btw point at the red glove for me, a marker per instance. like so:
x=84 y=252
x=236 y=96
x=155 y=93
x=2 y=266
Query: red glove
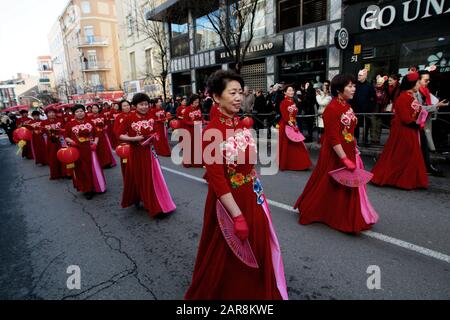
x=240 y=227
x=93 y=146
x=348 y=163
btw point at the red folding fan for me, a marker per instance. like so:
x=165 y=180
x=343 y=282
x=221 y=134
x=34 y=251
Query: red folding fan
x=241 y=249
x=350 y=178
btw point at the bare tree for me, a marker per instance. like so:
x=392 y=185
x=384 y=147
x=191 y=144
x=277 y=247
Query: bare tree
x=154 y=31
x=233 y=21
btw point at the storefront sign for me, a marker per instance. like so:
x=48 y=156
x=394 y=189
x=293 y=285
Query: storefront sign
x=376 y=17
x=258 y=48
x=341 y=38
x=357 y=49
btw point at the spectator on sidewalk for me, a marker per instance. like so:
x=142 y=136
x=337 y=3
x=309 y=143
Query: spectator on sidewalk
x=248 y=101
x=381 y=102
x=363 y=102
x=323 y=98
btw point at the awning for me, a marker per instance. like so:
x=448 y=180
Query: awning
x=16 y=108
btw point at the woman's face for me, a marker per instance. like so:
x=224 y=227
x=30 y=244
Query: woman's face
x=183 y=102
x=126 y=107
x=142 y=107
x=231 y=98
x=290 y=92
x=195 y=103
x=349 y=91
x=159 y=103
x=391 y=81
x=51 y=115
x=79 y=114
x=95 y=109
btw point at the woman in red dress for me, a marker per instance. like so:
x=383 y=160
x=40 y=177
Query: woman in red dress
x=401 y=164
x=181 y=109
x=53 y=129
x=23 y=121
x=193 y=121
x=232 y=181
x=124 y=111
x=323 y=199
x=162 y=145
x=143 y=177
x=214 y=112
x=81 y=133
x=38 y=141
x=292 y=155
x=104 y=148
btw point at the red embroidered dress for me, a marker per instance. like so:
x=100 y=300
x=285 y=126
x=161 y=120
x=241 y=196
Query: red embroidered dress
x=143 y=177
x=193 y=121
x=53 y=129
x=162 y=145
x=323 y=199
x=292 y=155
x=27 y=151
x=218 y=274
x=38 y=142
x=104 y=147
x=401 y=164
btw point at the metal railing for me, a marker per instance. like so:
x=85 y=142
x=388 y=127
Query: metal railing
x=99 y=65
x=93 y=41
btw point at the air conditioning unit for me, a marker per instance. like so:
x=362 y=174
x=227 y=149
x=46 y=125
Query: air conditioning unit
x=368 y=53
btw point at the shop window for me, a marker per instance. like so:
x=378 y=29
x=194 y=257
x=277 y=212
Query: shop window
x=296 y=13
x=254 y=75
x=179 y=39
x=303 y=67
x=206 y=37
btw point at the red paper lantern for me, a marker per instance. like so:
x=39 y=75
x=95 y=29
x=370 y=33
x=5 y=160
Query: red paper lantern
x=23 y=133
x=68 y=156
x=247 y=122
x=175 y=124
x=123 y=151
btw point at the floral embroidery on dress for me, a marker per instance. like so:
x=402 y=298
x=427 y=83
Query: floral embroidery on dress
x=346 y=119
x=142 y=124
x=195 y=115
x=239 y=142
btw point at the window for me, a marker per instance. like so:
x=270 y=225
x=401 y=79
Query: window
x=205 y=36
x=130 y=24
x=179 y=39
x=295 y=13
x=259 y=23
x=89 y=34
x=86 y=7
x=92 y=59
x=95 y=79
x=148 y=61
x=133 y=65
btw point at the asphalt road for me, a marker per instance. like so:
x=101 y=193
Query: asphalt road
x=46 y=226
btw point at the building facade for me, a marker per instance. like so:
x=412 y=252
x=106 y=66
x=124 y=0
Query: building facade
x=46 y=76
x=293 y=42
x=91 y=46
x=138 y=52
x=56 y=44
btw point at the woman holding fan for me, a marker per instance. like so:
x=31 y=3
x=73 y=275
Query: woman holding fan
x=241 y=259
x=325 y=200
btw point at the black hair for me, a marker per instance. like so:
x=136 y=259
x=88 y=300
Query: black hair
x=193 y=98
x=76 y=107
x=99 y=106
x=423 y=72
x=140 y=97
x=217 y=82
x=395 y=76
x=122 y=102
x=407 y=84
x=327 y=81
x=23 y=111
x=287 y=87
x=35 y=113
x=339 y=82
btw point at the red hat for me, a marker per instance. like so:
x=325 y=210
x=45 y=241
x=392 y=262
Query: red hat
x=412 y=76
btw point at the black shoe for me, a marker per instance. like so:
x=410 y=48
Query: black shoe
x=89 y=195
x=435 y=172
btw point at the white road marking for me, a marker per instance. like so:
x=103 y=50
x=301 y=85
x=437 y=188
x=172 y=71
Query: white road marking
x=379 y=236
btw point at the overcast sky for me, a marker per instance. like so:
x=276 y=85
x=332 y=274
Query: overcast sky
x=24 y=26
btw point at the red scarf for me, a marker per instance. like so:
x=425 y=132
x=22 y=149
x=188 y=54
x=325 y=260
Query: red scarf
x=426 y=93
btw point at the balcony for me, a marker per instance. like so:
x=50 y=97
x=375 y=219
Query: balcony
x=93 y=67
x=45 y=69
x=93 y=41
x=44 y=80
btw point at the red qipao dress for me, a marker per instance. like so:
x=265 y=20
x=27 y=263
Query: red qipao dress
x=104 y=147
x=193 y=121
x=214 y=112
x=53 y=129
x=117 y=124
x=401 y=164
x=38 y=142
x=110 y=129
x=218 y=273
x=143 y=176
x=325 y=200
x=292 y=155
x=87 y=174
x=27 y=151
x=162 y=145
